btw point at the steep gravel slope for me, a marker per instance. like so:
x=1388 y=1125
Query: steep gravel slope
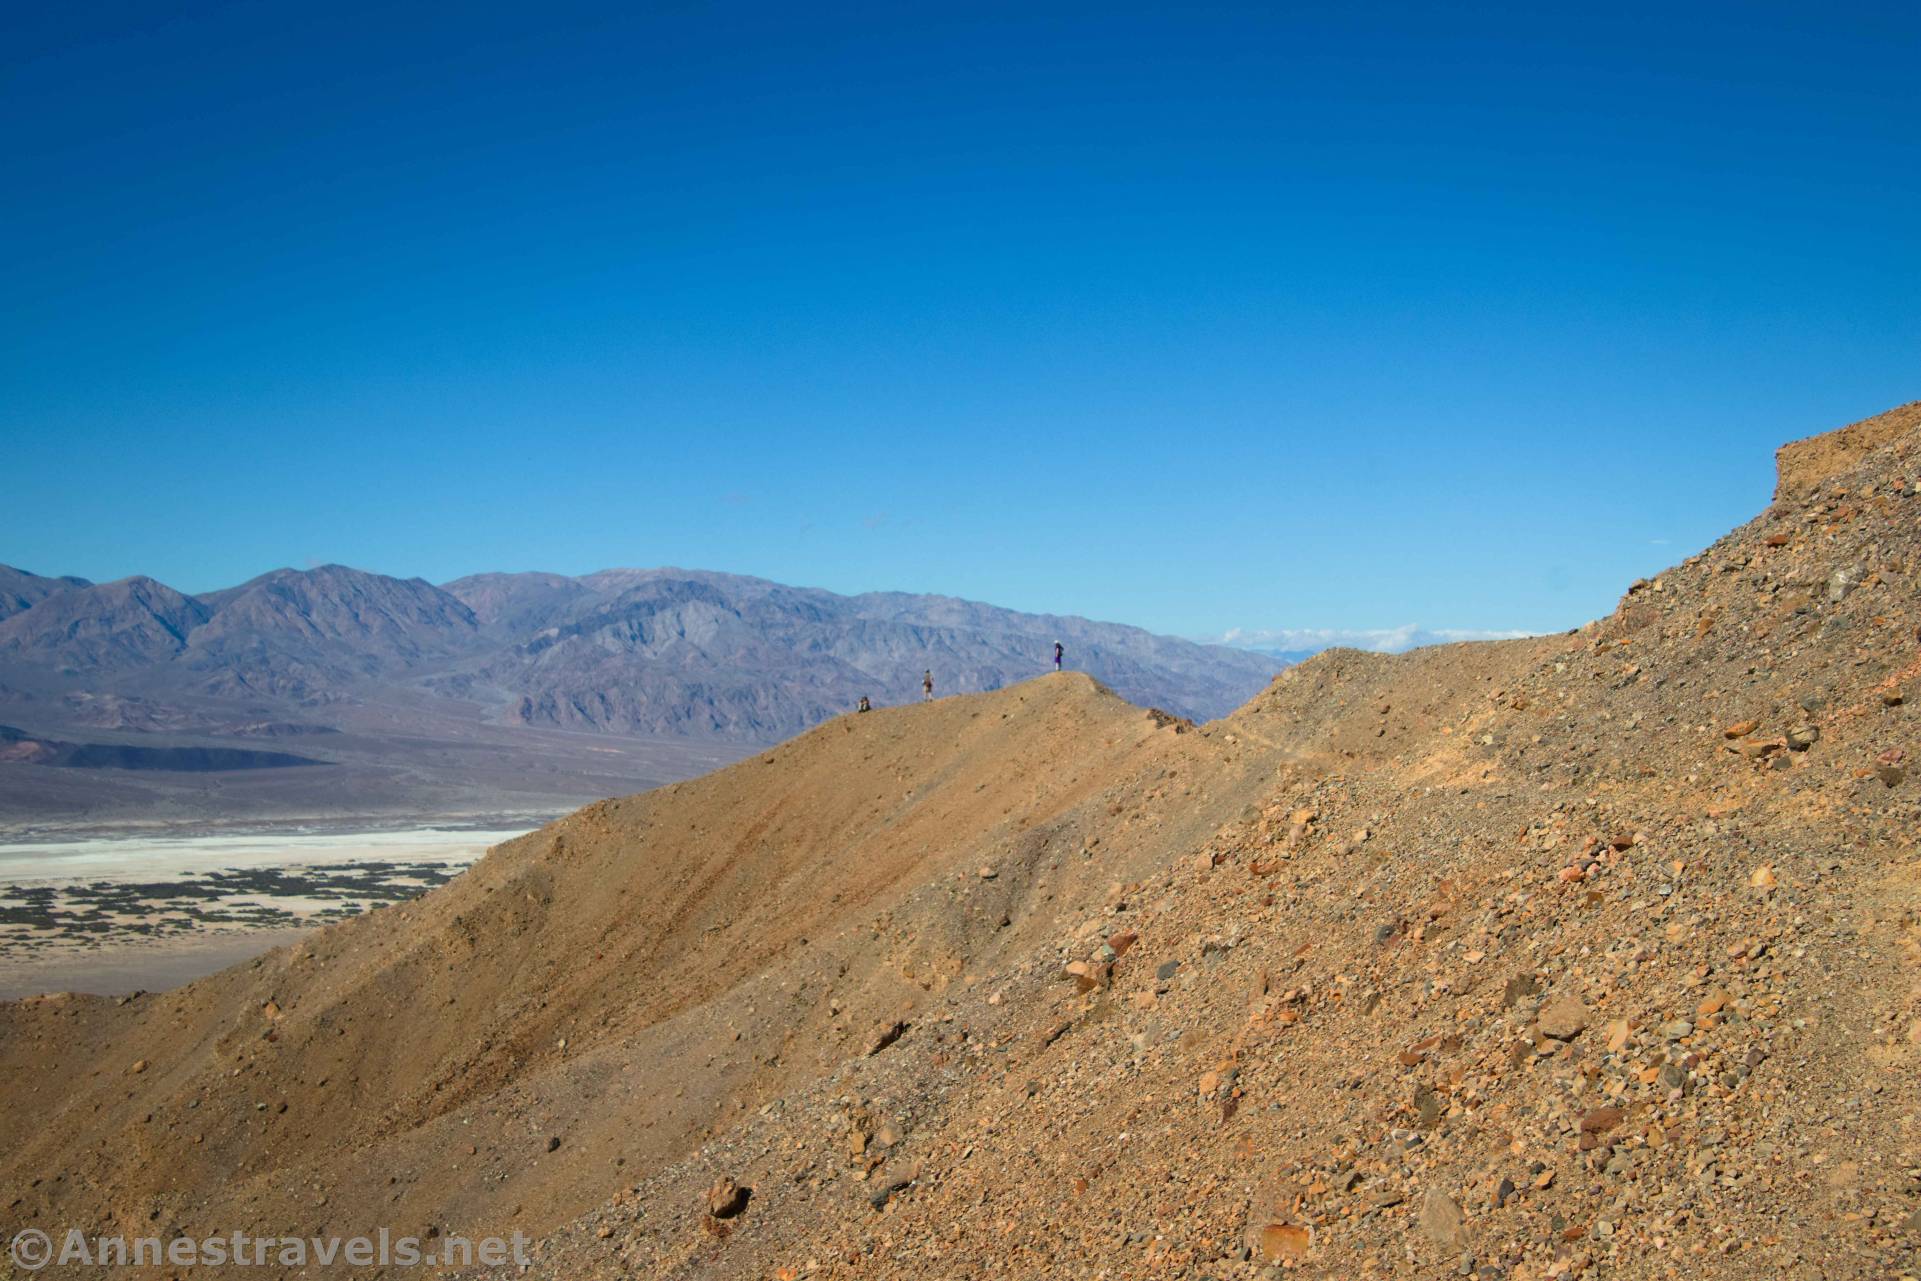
x=1594 y=953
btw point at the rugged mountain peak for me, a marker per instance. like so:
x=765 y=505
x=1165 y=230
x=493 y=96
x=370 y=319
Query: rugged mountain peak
x=20 y=590
x=336 y=611
x=105 y=626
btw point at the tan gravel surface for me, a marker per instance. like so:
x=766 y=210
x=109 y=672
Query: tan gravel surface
x=1595 y=954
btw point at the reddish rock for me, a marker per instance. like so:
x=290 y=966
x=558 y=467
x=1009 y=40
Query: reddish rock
x=1601 y=1120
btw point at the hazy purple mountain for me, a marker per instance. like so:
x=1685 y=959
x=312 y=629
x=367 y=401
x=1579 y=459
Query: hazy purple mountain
x=20 y=590
x=415 y=675
x=315 y=635
x=668 y=651
x=304 y=632
x=337 y=607
x=517 y=604
x=103 y=628
x=655 y=651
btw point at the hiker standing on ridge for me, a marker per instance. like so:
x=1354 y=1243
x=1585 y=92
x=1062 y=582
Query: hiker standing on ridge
x=1058 y=651
x=927 y=686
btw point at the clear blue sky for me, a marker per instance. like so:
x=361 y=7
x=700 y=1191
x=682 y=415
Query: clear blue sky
x=1194 y=316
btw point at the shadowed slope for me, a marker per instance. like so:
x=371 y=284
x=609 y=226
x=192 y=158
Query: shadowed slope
x=554 y=987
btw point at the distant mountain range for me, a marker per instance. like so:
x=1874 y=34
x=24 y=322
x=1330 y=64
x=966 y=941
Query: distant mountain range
x=655 y=654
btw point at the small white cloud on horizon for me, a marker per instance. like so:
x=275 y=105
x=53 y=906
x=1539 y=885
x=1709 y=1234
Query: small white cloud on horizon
x=1379 y=640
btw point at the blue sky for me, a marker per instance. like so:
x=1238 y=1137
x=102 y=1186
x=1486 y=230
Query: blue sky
x=1201 y=317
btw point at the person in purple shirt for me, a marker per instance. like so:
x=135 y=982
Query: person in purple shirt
x=1058 y=651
